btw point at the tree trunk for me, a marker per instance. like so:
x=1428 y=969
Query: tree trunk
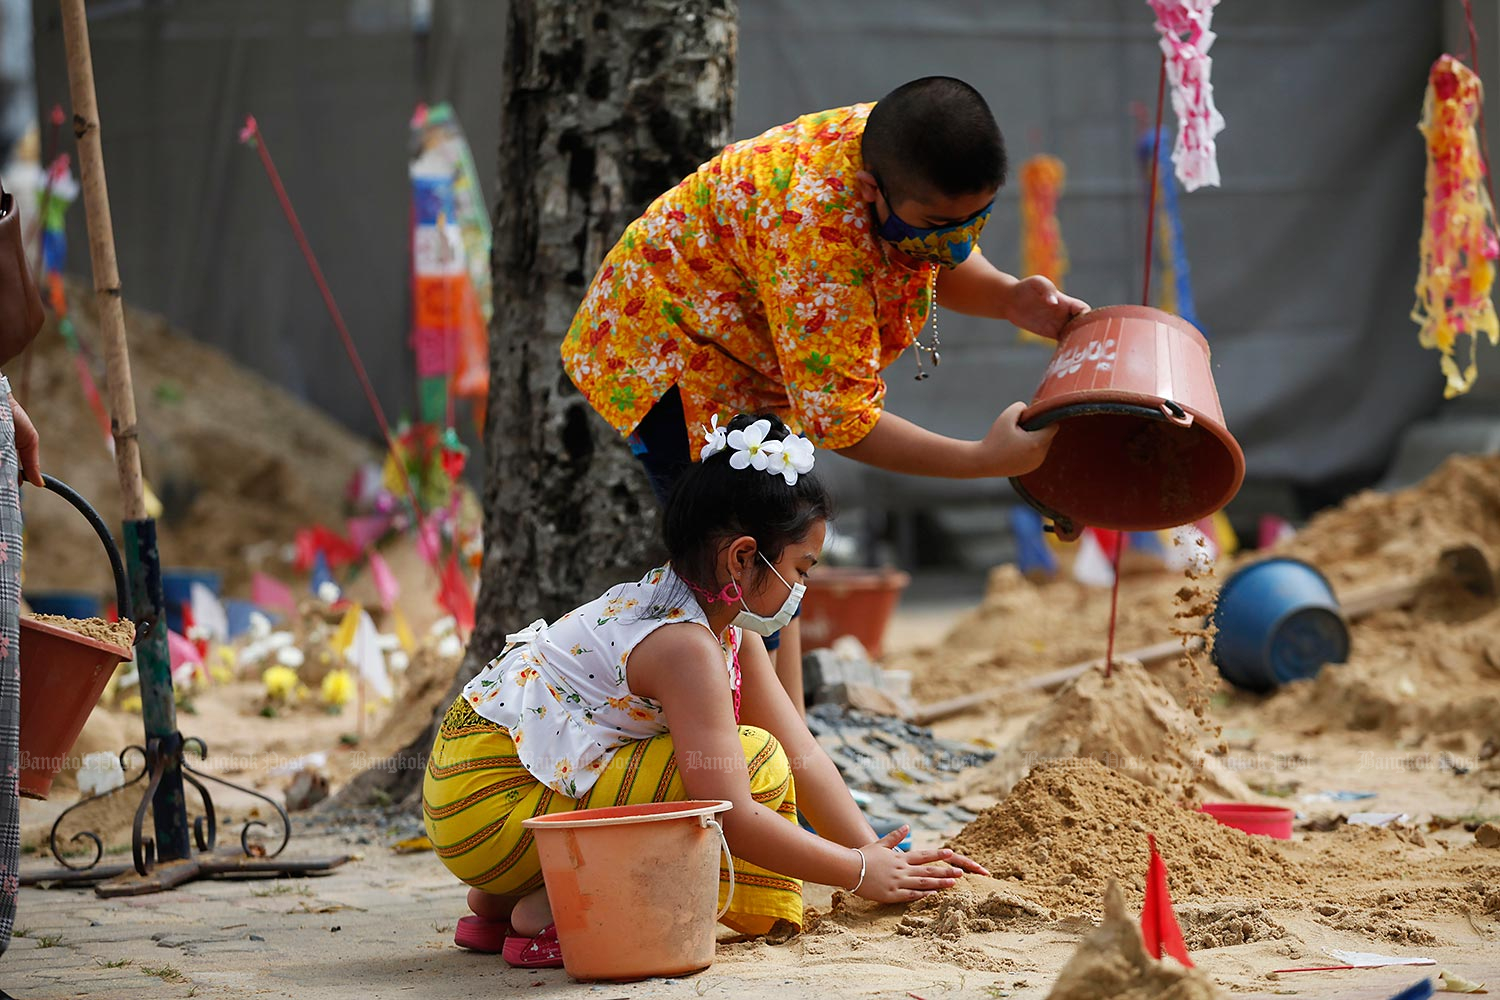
x=606 y=105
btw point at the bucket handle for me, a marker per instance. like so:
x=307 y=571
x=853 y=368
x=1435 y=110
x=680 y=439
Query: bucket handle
x=709 y=821
x=1176 y=414
x=116 y=564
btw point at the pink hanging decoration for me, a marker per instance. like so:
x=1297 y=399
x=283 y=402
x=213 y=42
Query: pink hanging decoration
x=1185 y=41
x=1459 y=247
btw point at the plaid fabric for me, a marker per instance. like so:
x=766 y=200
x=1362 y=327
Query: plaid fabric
x=10 y=667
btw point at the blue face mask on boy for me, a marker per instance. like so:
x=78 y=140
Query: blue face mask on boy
x=946 y=245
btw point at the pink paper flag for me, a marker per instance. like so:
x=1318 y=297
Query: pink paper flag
x=366 y=531
x=271 y=594
x=182 y=651
x=385 y=581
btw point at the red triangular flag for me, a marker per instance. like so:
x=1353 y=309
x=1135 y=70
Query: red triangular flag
x=455 y=597
x=1159 y=929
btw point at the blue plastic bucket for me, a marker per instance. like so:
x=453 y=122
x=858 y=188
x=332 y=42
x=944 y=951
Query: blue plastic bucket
x=66 y=603
x=176 y=587
x=1278 y=621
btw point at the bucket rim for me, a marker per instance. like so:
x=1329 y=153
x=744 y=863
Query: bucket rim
x=1334 y=612
x=68 y=635
x=582 y=818
x=1106 y=403
x=1247 y=809
x=1130 y=311
x=880 y=577
x=1241 y=571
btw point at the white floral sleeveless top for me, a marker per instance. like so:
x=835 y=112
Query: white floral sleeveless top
x=560 y=690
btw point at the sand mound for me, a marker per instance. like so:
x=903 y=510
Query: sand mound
x=1069 y=826
x=975 y=906
x=239 y=464
x=933 y=929
x=1112 y=964
x=1127 y=721
x=1372 y=536
x=1024 y=627
x=1224 y=925
x=1424 y=672
x=1411 y=673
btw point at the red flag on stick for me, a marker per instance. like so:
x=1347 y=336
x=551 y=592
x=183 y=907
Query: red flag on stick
x=1159 y=928
x=455 y=596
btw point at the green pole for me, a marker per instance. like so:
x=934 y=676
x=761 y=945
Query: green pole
x=158 y=704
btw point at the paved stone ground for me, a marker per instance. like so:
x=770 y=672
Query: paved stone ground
x=381 y=926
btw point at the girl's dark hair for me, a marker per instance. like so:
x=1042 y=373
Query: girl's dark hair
x=713 y=503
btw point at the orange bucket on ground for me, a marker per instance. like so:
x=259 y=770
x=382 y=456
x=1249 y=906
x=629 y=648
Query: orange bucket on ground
x=1141 y=442
x=844 y=601
x=634 y=889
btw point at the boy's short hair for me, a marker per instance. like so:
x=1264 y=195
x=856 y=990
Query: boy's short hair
x=934 y=135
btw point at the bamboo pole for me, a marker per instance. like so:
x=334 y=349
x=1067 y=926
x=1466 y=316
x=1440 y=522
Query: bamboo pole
x=102 y=255
x=153 y=656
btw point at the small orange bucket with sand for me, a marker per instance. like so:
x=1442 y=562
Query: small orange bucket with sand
x=63 y=672
x=633 y=888
x=1141 y=442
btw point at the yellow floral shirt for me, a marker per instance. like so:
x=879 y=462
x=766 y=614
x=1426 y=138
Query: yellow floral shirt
x=561 y=690
x=755 y=284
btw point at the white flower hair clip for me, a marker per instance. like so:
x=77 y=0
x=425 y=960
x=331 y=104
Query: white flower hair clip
x=788 y=458
x=713 y=440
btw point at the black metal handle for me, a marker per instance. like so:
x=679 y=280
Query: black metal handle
x=116 y=564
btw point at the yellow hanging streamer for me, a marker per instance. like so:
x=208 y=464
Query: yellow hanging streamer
x=1459 y=244
x=1042 y=251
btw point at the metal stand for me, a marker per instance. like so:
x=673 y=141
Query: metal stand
x=146 y=874
x=168 y=858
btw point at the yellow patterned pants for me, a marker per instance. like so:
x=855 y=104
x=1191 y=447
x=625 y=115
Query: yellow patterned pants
x=476 y=793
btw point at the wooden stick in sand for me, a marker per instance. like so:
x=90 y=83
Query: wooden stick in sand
x=102 y=254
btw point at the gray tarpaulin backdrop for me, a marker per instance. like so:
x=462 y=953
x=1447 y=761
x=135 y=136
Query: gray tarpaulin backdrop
x=1302 y=262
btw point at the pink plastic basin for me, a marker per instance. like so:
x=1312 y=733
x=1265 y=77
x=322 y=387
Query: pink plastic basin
x=1267 y=821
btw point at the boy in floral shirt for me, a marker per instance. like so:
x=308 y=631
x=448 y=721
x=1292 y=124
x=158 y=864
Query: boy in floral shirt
x=789 y=271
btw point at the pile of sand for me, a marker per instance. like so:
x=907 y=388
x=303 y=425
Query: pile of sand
x=239 y=464
x=1070 y=826
x=1112 y=964
x=1024 y=627
x=1413 y=673
x=1422 y=674
x=1373 y=536
x=117 y=633
x=1127 y=721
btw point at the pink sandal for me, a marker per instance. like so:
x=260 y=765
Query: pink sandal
x=540 y=952
x=478 y=933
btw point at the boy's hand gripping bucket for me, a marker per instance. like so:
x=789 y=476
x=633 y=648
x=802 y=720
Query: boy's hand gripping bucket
x=1141 y=442
x=634 y=888
x=64 y=673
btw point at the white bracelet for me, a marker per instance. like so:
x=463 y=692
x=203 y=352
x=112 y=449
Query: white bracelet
x=861 y=870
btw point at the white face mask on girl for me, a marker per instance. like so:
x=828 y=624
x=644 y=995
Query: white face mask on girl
x=760 y=624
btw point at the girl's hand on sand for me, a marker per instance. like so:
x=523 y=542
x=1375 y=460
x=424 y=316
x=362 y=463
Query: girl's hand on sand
x=895 y=877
